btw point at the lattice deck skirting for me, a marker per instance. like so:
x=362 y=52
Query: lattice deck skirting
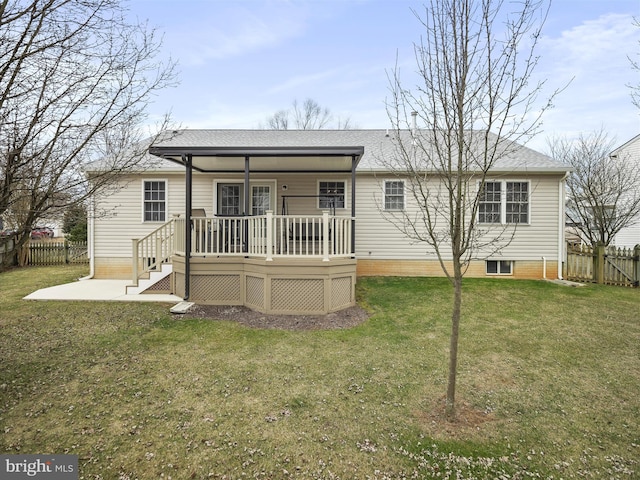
x=285 y=287
x=163 y=285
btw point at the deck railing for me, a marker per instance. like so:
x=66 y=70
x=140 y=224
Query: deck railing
x=268 y=236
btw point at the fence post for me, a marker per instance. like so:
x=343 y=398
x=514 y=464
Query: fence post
x=598 y=263
x=636 y=266
x=66 y=251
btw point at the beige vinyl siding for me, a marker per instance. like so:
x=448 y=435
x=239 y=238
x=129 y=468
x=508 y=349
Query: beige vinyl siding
x=121 y=214
x=377 y=238
x=629 y=236
x=119 y=217
x=540 y=237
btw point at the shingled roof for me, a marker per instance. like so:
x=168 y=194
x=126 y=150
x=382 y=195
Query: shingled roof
x=376 y=145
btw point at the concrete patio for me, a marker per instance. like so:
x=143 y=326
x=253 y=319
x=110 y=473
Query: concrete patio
x=99 y=290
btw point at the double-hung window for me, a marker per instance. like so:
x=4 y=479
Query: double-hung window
x=331 y=195
x=490 y=205
x=504 y=202
x=155 y=201
x=517 y=202
x=394 y=195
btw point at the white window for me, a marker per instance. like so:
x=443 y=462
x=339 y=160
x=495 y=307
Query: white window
x=331 y=195
x=499 y=267
x=504 y=202
x=489 y=207
x=155 y=200
x=394 y=195
x=517 y=203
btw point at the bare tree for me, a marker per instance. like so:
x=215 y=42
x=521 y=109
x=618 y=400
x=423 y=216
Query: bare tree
x=306 y=116
x=474 y=98
x=279 y=120
x=75 y=80
x=310 y=115
x=635 y=65
x=603 y=189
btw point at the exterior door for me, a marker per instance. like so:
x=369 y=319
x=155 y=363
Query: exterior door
x=260 y=199
x=230 y=199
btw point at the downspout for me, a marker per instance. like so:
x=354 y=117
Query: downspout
x=561 y=222
x=91 y=240
x=187 y=159
x=353 y=205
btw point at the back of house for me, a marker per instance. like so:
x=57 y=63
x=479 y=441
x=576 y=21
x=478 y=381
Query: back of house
x=330 y=196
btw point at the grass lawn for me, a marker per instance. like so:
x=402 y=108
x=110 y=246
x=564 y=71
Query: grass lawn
x=548 y=386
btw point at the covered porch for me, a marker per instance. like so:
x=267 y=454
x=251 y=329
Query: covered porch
x=271 y=262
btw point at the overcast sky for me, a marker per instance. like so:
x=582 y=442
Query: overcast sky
x=242 y=60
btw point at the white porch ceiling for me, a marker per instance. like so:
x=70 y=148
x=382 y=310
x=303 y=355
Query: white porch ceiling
x=266 y=159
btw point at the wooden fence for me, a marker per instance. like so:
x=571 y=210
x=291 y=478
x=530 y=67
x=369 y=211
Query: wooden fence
x=606 y=265
x=57 y=253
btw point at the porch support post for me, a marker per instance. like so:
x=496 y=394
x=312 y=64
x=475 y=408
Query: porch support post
x=269 y=236
x=188 y=161
x=247 y=206
x=325 y=235
x=353 y=204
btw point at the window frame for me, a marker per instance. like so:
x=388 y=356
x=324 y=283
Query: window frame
x=322 y=206
x=499 y=265
x=402 y=196
x=504 y=202
x=145 y=201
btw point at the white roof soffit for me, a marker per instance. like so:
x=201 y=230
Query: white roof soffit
x=264 y=159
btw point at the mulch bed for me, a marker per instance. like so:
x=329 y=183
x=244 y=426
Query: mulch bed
x=346 y=318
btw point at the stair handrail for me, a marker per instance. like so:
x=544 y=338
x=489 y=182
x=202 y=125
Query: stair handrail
x=153 y=250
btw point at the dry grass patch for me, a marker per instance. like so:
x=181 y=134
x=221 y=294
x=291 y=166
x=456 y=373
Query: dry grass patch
x=545 y=390
x=469 y=424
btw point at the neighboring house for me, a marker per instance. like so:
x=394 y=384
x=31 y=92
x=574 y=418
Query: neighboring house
x=285 y=220
x=629 y=152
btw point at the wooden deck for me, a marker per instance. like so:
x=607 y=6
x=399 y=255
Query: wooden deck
x=270 y=263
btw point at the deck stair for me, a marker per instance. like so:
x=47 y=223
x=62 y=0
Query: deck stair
x=151 y=258
x=155 y=276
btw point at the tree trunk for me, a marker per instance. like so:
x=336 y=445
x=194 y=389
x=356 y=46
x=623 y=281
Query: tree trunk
x=453 y=346
x=23 y=253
